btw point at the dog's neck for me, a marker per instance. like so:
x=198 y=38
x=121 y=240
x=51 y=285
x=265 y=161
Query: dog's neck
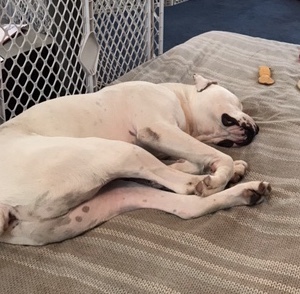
x=183 y=93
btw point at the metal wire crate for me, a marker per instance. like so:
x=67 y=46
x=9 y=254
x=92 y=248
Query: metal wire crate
x=173 y=2
x=69 y=47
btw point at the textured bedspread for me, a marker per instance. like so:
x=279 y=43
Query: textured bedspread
x=241 y=250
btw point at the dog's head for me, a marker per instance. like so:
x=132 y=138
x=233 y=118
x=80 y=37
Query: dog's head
x=219 y=117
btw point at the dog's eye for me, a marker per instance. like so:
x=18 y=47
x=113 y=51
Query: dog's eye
x=228 y=121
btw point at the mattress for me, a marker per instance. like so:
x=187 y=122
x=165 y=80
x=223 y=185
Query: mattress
x=240 y=250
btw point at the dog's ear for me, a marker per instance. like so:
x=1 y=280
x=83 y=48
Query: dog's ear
x=202 y=83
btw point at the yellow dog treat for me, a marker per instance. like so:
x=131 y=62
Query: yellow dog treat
x=265 y=75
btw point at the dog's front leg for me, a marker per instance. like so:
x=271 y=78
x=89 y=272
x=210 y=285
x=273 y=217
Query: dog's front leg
x=172 y=141
x=240 y=168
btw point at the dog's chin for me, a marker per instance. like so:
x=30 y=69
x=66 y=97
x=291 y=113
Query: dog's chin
x=230 y=143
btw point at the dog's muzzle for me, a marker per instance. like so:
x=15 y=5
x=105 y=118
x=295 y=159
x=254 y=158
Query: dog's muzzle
x=246 y=123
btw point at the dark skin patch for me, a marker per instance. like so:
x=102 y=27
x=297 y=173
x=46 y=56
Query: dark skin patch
x=62 y=221
x=71 y=200
x=78 y=218
x=41 y=200
x=58 y=222
x=131 y=133
x=85 y=209
x=208 y=84
x=152 y=135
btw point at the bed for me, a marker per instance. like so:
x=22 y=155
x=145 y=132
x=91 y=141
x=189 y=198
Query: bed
x=240 y=250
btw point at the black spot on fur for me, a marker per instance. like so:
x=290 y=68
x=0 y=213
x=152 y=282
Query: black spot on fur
x=228 y=120
x=78 y=219
x=131 y=133
x=85 y=209
x=153 y=135
x=41 y=200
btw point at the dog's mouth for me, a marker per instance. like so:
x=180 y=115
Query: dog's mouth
x=248 y=130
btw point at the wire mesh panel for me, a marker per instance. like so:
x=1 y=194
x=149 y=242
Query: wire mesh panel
x=129 y=33
x=39 y=52
x=51 y=48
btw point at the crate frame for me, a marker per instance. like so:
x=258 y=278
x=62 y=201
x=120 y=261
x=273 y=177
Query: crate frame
x=67 y=54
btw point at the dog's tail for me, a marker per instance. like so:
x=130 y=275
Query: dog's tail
x=4 y=218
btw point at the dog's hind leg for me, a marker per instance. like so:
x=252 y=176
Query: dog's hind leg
x=122 y=196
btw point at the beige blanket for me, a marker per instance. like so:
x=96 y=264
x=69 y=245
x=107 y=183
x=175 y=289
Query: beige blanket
x=241 y=250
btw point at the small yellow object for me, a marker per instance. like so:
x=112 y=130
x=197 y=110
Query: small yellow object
x=265 y=75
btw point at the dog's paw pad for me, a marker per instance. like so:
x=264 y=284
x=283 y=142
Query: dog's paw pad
x=256 y=196
x=236 y=178
x=240 y=168
x=203 y=188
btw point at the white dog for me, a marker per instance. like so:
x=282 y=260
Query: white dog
x=57 y=157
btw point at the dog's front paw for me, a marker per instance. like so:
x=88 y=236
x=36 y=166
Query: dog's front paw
x=240 y=168
x=206 y=187
x=257 y=193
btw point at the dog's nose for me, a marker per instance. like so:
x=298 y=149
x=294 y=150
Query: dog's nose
x=251 y=130
x=249 y=134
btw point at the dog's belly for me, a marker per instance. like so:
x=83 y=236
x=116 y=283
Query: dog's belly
x=50 y=172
